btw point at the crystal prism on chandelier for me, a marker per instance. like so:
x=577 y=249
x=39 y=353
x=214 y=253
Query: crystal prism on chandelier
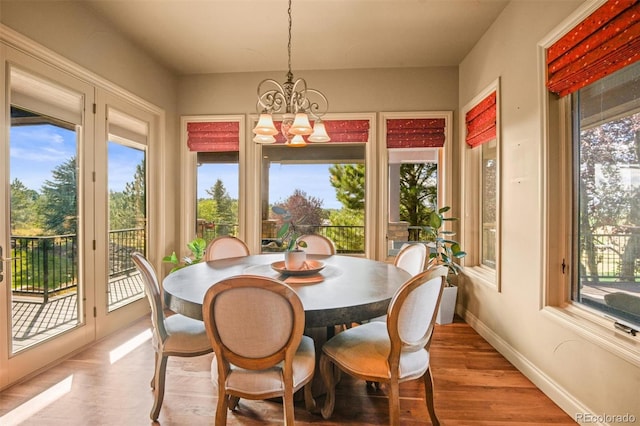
x=297 y=102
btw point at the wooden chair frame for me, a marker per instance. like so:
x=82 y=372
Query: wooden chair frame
x=398 y=345
x=227 y=398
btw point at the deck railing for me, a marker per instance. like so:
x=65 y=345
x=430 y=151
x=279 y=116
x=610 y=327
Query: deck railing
x=47 y=265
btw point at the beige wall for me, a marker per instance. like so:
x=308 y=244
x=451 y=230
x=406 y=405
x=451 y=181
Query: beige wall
x=580 y=374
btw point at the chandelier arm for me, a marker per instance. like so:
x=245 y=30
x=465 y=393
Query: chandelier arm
x=271 y=100
x=317 y=109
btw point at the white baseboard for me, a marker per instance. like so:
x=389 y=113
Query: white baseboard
x=556 y=393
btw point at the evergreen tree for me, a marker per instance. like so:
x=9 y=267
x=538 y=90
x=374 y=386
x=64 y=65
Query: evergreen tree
x=348 y=181
x=58 y=200
x=127 y=209
x=23 y=212
x=223 y=210
x=418 y=192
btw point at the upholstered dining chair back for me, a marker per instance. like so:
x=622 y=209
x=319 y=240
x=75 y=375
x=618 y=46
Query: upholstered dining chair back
x=412 y=312
x=225 y=247
x=255 y=326
x=152 y=290
x=391 y=352
x=412 y=258
x=318 y=244
x=175 y=335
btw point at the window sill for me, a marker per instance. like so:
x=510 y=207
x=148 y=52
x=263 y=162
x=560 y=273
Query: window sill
x=481 y=274
x=597 y=329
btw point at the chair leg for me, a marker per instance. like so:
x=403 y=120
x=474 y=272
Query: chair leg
x=394 y=402
x=328 y=377
x=221 y=409
x=233 y=402
x=309 y=402
x=428 y=390
x=157 y=358
x=287 y=399
x=158 y=385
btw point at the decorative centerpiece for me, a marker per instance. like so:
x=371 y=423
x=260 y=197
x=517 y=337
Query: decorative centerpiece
x=294 y=257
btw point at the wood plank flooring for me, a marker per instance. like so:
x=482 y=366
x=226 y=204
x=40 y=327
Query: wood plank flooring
x=474 y=385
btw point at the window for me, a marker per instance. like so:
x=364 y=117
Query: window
x=323 y=186
x=488 y=201
x=417 y=156
x=217 y=194
x=481 y=185
x=606 y=214
x=592 y=161
x=213 y=143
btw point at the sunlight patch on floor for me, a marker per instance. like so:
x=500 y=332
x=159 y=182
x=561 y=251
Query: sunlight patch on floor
x=37 y=403
x=128 y=346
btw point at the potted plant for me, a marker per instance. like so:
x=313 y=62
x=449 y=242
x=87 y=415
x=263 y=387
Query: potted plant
x=444 y=251
x=288 y=234
x=196 y=246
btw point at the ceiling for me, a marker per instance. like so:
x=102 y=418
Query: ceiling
x=226 y=36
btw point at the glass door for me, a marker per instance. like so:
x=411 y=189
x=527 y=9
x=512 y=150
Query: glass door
x=48 y=207
x=121 y=212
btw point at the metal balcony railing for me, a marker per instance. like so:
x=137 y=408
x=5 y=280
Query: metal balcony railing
x=48 y=265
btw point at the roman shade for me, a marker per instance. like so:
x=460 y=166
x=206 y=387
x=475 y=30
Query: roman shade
x=416 y=132
x=213 y=136
x=122 y=125
x=481 y=121
x=606 y=41
x=38 y=95
x=354 y=131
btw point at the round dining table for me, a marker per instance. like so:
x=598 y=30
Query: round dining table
x=340 y=290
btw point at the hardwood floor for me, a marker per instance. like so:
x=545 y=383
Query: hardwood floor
x=474 y=385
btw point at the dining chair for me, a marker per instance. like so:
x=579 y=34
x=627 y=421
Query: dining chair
x=224 y=247
x=318 y=244
x=390 y=352
x=174 y=335
x=412 y=258
x=255 y=326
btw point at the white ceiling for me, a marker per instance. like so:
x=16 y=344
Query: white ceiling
x=220 y=36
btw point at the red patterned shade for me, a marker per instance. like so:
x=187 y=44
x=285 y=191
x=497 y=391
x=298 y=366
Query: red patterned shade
x=217 y=136
x=606 y=41
x=415 y=132
x=338 y=130
x=481 y=121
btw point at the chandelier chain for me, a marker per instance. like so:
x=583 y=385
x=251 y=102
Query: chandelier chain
x=290 y=74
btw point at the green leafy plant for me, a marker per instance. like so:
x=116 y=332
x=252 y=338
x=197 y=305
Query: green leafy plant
x=288 y=232
x=445 y=251
x=196 y=247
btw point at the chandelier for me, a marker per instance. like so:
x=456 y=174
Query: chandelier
x=296 y=102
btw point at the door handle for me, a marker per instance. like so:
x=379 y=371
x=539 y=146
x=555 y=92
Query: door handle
x=2 y=260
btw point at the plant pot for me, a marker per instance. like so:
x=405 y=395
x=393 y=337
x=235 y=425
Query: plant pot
x=294 y=259
x=447 y=305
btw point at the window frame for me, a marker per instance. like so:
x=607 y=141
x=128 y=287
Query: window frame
x=445 y=156
x=189 y=160
x=558 y=211
x=471 y=197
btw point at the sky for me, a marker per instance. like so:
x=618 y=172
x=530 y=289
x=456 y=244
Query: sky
x=37 y=150
x=283 y=180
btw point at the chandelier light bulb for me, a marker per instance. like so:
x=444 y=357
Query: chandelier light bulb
x=301 y=125
x=297 y=142
x=265 y=126
x=319 y=133
x=264 y=139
